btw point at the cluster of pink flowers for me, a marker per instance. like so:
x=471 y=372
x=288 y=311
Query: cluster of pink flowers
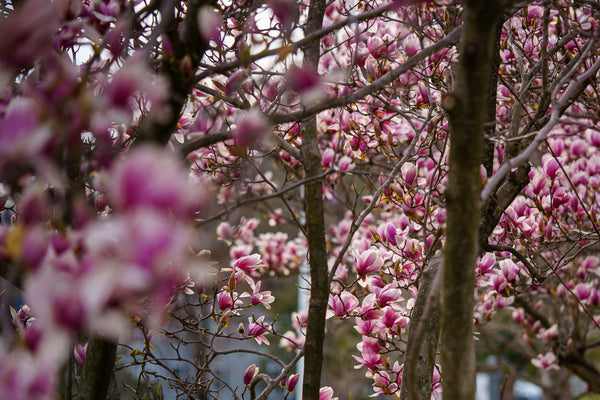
x=129 y=263
x=394 y=245
x=85 y=271
x=105 y=231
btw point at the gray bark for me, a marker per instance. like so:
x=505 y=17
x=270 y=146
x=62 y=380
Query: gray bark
x=466 y=109
x=423 y=335
x=97 y=369
x=315 y=226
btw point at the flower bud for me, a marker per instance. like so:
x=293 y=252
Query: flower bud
x=249 y=374
x=292 y=382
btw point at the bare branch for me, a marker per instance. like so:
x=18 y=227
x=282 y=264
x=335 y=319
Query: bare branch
x=568 y=96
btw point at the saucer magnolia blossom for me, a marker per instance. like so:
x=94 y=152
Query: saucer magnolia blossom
x=249 y=374
x=257 y=297
x=292 y=382
x=342 y=305
x=251 y=127
x=547 y=361
x=248 y=263
x=326 y=393
x=257 y=329
x=366 y=262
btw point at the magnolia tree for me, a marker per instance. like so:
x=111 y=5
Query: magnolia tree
x=435 y=163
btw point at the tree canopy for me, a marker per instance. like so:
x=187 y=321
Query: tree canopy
x=430 y=170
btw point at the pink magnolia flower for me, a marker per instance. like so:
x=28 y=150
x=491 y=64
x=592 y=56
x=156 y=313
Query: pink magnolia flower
x=79 y=353
x=376 y=46
x=437 y=380
x=388 y=294
x=114 y=39
x=20 y=46
x=302 y=79
x=594 y=137
x=371 y=69
x=257 y=329
x=369 y=349
x=132 y=80
x=384 y=384
x=22 y=318
x=286 y=11
x=551 y=167
x=548 y=334
x=149 y=177
x=413 y=247
x=412 y=45
x=370 y=308
x=503 y=302
x=32 y=207
x=25 y=377
x=560 y=196
x=59 y=299
x=235 y=81
x=391 y=319
x=249 y=374
x=327 y=157
x=306 y=82
x=155 y=265
x=409 y=173
x=539 y=183
x=156 y=244
x=292 y=382
x=486 y=263
x=365 y=327
x=290 y=341
x=326 y=393
x=209 y=22
x=594 y=298
x=247 y=263
x=342 y=304
x=225 y=231
x=250 y=127
x=23 y=135
x=259 y=297
x=367 y=262
x=582 y=291
x=299 y=319
x=509 y=270
x=547 y=361
x=499 y=283
x=227 y=300
x=35 y=246
x=345 y=164
x=389 y=233
x=529 y=226
x=239 y=251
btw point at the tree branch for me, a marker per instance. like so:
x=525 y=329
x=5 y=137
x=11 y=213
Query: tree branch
x=379 y=84
x=572 y=91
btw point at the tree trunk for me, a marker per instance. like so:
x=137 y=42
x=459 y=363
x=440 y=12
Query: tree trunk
x=97 y=369
x=466 y=109
x=315 y=227
x=423 y=336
